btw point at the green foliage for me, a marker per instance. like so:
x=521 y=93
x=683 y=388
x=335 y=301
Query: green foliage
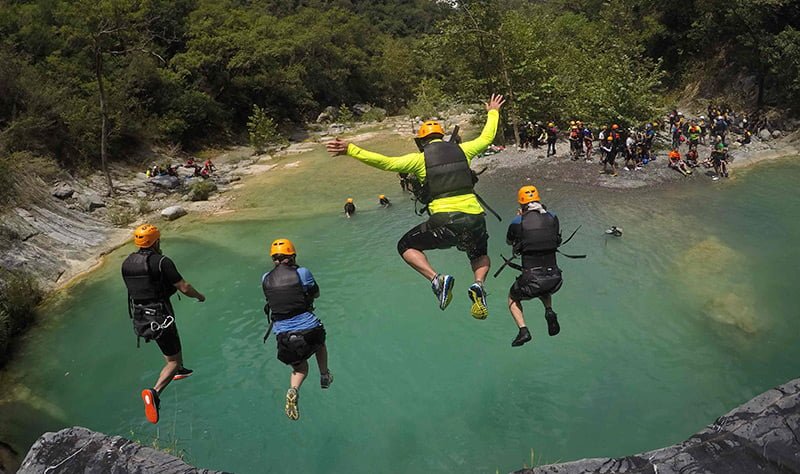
x=345 y=115
x=429 y=99
x=7 y=188
x=374 y=114
x=19 y=296
x=120 y=214
x=201 y=190
x=263 y=131
x=143 y=206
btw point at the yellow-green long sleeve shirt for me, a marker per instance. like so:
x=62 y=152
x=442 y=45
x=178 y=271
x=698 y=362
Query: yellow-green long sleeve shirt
x=414 y=163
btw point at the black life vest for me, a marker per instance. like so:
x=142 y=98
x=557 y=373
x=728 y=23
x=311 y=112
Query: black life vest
x=447 y=172
x=285 y=293
x=142 y=287
x=540 y=233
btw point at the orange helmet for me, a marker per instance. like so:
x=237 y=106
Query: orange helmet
x=430 y=128
x=282 y=247
x=350 y=200
x=381 y=196
x=614 y=127
x=146 y=235
x=527 y=194
x=674 y=154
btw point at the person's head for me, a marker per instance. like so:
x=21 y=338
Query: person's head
x=147 y=236
x=349 y=200
x=282 y=251
x=527 y=195
x=571 y=123
x=674 y=154
x=615 y=127
x=551 y=124
x=381 y=196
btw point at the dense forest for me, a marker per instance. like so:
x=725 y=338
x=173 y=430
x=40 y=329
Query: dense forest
x=82 y=77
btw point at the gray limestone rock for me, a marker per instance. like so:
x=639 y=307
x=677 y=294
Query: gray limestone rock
x=81 y=450
x=763 y=435
x=165 y=181
x=173 y=212
x=63 y=191
x=764 y=134
x=90 y=201
x=776 y=134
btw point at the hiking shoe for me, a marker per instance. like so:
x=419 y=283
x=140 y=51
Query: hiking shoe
x=478 y=297
x=522 y=337
x=552 y=322
x=291 y=404
x=325 y=380
x=442 y=286
x=151 y=404
x=182 y=373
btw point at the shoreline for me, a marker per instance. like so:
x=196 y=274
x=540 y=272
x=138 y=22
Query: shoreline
x=558 y=169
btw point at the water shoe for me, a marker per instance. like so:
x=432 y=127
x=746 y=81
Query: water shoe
x=552 y=322
x=325 y=380
x=522 y=337
x=182 y=373
x=151 y=404
x=291 y=404
x=442 y=286
x=478 y=297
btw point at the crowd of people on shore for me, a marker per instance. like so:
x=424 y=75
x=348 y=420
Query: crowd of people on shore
x=168 y=169
x=634 y=146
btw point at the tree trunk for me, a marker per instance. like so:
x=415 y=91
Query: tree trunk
x=98 y=63
x=512 y=106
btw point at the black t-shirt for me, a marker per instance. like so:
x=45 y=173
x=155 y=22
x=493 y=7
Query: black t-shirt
x=168 y=274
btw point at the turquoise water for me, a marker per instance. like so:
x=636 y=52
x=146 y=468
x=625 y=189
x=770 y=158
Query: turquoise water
x=686 y=316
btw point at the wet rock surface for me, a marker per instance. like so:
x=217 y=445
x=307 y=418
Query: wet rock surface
x=763 y=435
x=82 y=450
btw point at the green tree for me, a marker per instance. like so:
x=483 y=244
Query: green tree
x=263 y=131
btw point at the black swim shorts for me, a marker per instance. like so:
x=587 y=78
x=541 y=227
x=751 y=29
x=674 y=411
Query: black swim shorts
x=444 y=230
x=296 y=346
x=536 y=282
x=169 y=342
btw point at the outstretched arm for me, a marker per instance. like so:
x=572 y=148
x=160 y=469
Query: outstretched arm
x=413 y=163
x=475 y=147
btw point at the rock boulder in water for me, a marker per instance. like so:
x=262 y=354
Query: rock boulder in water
x=82 y=450
x=759 y=436
x=173 y=212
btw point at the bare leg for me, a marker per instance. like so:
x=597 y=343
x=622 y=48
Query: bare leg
x=173 y=363
x=299 y=372
x=480 y=267
x=516 y=312
x=419 y=262
x=322 y=359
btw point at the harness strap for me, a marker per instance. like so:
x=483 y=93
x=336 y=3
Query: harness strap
x=489 y=208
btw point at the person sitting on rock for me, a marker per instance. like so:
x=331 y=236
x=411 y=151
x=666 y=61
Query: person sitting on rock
x=208 y=165
x=691 y=158
x=675 y=162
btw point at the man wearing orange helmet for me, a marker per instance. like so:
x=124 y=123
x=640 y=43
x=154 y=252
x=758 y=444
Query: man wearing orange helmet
x=151 y=278
x=456 y=216
x=349 y=208
x=535 y=234
x=290 y=291
x=384 y=201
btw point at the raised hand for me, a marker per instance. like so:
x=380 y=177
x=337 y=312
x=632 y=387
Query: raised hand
x=495 y=102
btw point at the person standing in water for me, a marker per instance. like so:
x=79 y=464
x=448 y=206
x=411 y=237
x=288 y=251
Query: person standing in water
x=290 y=291
x=535 y=234
x=384 y=201
x=151 y=278
x=456 y=216
x=349 y=208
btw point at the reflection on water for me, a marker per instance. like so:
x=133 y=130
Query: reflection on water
x=660 y=333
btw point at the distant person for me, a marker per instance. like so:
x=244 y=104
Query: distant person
x=349 y=208
x=290 y=291
x=456 y=217
x=676 y=163
x=535 y=235
x=151 y=278
x=719 y=158
x=384 y=201
x=552 y=138
x=209 y=166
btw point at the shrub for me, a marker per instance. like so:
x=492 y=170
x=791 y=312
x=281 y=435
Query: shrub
x=263 y=131
x=121 y=216
x=18 y=299
x=374 y=114
x=7 y=189
x=345 y=115
x=201 y=190
x=143 y=206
